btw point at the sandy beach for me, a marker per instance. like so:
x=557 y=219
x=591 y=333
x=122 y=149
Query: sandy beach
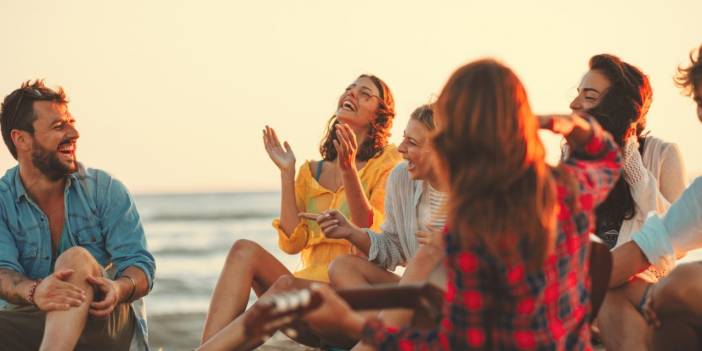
x=175 y=332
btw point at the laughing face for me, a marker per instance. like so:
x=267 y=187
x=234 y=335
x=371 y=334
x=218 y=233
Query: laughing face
x=54 y=140
x=358 y=105
x=416 y=150
x=590 y=91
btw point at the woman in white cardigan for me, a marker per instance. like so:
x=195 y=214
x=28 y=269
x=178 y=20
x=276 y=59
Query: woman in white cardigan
x=673 y=307
x=618 y=95
x=414 y=216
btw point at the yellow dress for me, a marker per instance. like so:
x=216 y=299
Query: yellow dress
x=316 y=250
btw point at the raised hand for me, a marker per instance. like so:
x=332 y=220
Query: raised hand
x=110 y=291
x=346 y=147
x=55 y=294
x=333 y=223
x=574 y=126
x=559 y=124
x=281 y=155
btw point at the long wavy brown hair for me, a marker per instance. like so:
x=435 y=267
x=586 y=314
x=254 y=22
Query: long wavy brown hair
x=503 y=195
x=378 y=131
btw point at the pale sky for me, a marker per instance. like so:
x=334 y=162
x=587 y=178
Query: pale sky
x=172 y=95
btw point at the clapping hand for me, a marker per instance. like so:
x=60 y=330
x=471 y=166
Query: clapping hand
x=281 y=155
x=346 y=147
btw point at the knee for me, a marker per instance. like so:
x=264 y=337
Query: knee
x=682 y=288
x=285 y=282
x=243 y=251
x=340 y=268
x=78 y=258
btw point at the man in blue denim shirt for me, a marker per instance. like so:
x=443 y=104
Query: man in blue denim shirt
x=73 y=257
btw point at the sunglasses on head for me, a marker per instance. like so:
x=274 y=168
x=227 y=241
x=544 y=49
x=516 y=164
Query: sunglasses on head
x=30 y=93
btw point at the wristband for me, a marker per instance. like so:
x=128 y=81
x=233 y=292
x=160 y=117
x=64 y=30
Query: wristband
x=131 y=294
x=33 y=290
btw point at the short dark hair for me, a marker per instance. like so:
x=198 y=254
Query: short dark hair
x=17 y=111
x=690 y=77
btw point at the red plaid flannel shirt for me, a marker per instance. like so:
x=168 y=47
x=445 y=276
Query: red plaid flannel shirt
x=494 y=305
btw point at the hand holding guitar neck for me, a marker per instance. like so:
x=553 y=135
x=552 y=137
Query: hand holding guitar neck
x=279 y=311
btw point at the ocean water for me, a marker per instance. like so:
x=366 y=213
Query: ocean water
x=190 y=235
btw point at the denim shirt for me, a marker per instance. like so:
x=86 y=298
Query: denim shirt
x=100 y=217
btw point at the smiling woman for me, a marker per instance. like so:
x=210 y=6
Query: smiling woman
x=351 y=177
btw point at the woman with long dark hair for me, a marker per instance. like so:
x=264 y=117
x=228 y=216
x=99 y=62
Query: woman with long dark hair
x=673 y=306
x=618 y=95
x=351 y=177
x=518 y=230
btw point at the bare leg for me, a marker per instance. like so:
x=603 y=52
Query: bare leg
x=677 y=303
x=248 y=266
x=63 y=328
x=622 y=327
x=350 y=271
x=231 y=336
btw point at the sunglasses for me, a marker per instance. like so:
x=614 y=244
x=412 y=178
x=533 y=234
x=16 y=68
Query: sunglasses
x=30 y=93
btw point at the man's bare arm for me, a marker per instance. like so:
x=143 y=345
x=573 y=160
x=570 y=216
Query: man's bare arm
x=14 y=287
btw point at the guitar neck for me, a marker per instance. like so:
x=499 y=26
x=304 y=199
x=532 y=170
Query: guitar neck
x=391 y=296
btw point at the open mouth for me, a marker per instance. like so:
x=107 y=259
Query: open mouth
x=68 y=148
x=348 y=105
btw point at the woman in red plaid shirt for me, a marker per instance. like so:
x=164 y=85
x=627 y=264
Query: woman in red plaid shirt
x=517 y=240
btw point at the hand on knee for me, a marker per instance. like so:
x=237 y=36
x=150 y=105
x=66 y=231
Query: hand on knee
x=54 y=293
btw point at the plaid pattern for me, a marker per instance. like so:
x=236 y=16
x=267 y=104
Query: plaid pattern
x=494 y=305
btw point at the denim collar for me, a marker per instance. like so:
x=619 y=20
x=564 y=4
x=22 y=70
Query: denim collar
x=21 y=192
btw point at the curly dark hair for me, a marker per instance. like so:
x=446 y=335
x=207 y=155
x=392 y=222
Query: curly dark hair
x=690 y=77
x=379 y=129
x=17 y=110
x=625 y=102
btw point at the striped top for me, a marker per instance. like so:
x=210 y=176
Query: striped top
x=431 y=212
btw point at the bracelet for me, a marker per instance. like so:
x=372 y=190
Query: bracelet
x=33 y=290
x=131 y=294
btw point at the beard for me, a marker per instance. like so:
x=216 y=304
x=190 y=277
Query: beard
x=48 y=163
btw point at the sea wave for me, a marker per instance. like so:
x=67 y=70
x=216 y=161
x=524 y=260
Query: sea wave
x=208 y=216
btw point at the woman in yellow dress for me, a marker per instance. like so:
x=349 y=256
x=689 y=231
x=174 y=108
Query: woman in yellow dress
x=351 y=177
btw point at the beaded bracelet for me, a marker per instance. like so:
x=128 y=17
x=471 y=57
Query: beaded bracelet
x=131 y=294
x=32 y=290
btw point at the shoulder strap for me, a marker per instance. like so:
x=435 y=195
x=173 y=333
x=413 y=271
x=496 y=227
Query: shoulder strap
x=319 y=170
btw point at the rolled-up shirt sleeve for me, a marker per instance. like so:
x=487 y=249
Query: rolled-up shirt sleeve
x=9 y=255
x=125 y=240
x=662 y=239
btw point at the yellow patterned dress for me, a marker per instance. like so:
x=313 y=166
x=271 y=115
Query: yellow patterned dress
x=316 y=250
